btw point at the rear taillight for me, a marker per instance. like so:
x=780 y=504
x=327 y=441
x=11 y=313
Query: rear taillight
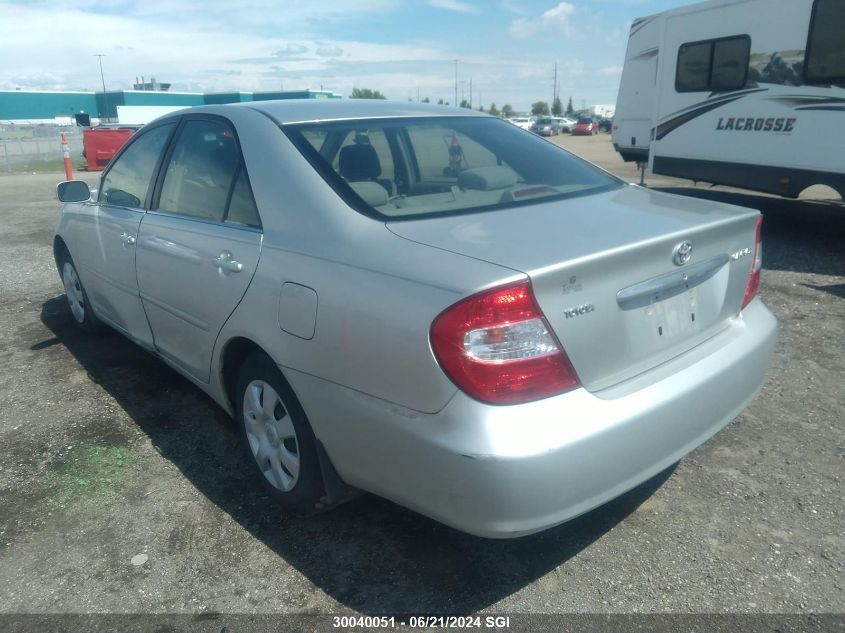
x=497 y=347
x=754 y=278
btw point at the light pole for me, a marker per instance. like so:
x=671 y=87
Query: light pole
x=99 y=57
x=455 y=103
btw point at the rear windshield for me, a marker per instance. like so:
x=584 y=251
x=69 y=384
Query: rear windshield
x=397 y=169
x=585 y=121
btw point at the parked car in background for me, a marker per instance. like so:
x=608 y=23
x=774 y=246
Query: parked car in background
x=546 y=126
x=522 y=122
x=605 y=125
x=563 y=125
x=422 y=302
x=585 y=126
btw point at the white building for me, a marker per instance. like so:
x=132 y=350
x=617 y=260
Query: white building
x=606 y=111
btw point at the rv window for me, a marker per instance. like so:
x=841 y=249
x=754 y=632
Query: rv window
x=713 y=65
x=825 y=45
x=693 y=67
x=730 y=64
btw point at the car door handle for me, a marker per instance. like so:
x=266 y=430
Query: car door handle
x=128 y=240
x=225 y=262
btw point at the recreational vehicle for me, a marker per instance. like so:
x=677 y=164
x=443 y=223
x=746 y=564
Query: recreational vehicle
x=748 y=93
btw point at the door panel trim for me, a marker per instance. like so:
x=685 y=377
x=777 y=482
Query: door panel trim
x=187 y=318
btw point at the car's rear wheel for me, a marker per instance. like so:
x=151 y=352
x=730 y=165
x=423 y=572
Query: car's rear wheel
x=277 y=436
x=77 y=298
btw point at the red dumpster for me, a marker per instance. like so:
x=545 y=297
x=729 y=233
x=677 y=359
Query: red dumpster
x=101 y=143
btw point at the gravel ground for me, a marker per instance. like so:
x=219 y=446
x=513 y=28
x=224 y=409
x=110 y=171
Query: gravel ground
x=108 y=454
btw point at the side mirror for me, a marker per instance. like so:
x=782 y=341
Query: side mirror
x=73 y=191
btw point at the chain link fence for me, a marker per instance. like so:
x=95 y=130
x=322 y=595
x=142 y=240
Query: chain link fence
x=37 y=147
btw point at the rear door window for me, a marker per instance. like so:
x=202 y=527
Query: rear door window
x=206 y=178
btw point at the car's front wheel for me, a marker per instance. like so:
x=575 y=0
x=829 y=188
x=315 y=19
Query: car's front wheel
x=277 y=436
x=77 y=298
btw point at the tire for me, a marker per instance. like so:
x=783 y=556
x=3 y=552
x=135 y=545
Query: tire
x=77 y=298
x=276 y=435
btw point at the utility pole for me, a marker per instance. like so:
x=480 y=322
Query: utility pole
x=99 y=57
x=470 y=93
x=554 y=88
x=455 y=103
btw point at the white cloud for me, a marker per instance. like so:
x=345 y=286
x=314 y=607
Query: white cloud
x=511 y=6
x=276 y=44
x=454 y=5
x=554 y=19
x=291 y=50
x=329 y=50
x=611 y=71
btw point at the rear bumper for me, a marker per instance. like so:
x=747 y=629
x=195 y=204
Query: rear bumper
x=507 y=471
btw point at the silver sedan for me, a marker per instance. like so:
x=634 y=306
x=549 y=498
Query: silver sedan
x=425 y=303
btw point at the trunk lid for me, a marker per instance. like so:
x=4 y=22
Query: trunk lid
x=603 y=273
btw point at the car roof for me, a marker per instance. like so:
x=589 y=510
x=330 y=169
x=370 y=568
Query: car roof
x=307 y=110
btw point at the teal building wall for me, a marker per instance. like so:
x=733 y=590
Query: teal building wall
x=21 y=104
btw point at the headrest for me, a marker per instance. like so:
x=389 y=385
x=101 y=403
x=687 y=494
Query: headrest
x=359 y=162
x=487 y=178
x=370 y=192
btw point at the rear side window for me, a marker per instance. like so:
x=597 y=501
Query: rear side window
x=127 y=181
x=205 y=177
x=713 y=65
x=825 y=62
x=448 y=165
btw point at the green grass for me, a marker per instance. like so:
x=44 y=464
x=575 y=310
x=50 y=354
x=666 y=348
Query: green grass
x=56 y=166
x=90 y=474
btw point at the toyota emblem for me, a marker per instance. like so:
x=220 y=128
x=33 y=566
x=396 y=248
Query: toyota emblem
x=682 y=253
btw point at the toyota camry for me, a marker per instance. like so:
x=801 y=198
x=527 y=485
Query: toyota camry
x=421 y=302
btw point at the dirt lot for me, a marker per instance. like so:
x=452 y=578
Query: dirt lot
x=108 y=454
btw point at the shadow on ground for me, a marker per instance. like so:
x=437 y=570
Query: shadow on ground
x=804 y=236
x=370 y=555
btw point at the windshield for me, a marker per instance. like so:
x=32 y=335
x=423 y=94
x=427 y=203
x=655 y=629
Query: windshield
x=409 y=168
x=585 y=121
x=544 y=121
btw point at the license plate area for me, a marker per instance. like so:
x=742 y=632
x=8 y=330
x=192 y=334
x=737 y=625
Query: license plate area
x=674 y=317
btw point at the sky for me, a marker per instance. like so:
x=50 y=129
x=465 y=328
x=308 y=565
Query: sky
x=507 y=49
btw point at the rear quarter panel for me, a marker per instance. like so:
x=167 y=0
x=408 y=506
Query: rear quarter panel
x=377 y=293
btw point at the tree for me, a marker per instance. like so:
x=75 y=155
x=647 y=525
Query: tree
x=494 y=110
x=426 y=100
x=366 y=93
x=507 y=111
x=481 y=108
x=557 y=107
x=569 y=109
x=440 y=102
x=539 y=107
x=465 y=104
